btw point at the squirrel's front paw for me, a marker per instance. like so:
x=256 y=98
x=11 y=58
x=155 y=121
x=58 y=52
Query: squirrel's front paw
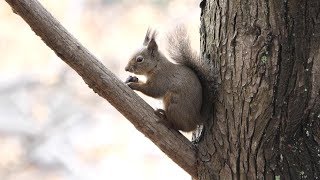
x=133 y=85
x=132 y=82
x=131 y=79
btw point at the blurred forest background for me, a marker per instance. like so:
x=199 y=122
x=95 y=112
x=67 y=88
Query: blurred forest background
x=52 y=126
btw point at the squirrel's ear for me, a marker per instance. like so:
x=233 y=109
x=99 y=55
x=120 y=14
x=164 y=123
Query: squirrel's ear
x=152 y=45
x=147 y=37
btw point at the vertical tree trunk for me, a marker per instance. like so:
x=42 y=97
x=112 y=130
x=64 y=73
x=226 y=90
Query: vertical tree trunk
x=267 y=108
x=266 y=59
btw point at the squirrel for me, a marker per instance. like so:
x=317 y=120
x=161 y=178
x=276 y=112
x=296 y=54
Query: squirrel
x=177 y=84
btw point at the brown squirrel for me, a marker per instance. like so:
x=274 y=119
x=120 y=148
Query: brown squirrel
x=177 y=84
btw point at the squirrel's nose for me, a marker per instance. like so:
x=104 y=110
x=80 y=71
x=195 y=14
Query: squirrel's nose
x=127 y=69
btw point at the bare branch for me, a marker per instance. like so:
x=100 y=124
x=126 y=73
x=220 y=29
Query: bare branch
x=106 y=84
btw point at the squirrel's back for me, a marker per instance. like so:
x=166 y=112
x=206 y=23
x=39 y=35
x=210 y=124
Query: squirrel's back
x=180 y=50
x=183 y=100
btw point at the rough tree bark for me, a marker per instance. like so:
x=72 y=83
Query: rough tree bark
x=267 y=109
x=265 y=57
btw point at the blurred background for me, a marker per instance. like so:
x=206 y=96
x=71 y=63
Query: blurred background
x=52 y=126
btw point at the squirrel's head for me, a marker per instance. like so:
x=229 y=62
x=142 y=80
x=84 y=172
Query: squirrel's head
x=145 y=59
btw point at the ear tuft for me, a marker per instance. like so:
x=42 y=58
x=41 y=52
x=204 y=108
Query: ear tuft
x=147 y=37
x=150 y=41
x=152 y=45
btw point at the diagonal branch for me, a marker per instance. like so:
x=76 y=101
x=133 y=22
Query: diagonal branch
x=106 y=84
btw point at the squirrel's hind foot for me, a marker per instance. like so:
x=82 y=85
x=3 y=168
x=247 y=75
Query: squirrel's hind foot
x=163 y=118
x=160 y=113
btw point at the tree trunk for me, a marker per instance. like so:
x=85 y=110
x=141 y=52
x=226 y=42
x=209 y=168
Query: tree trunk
x=264 y=55
x=266 y=117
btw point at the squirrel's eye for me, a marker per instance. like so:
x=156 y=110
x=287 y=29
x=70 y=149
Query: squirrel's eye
x=139 y=59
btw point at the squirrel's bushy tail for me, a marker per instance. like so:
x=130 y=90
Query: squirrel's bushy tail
x=180 y=50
